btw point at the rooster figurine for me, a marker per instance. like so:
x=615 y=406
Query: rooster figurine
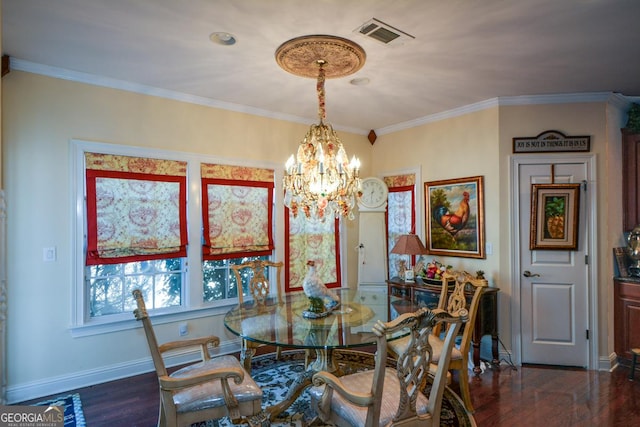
x=453 y=222
x=323 y=300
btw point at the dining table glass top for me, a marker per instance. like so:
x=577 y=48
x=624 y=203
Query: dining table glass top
x=283 y=323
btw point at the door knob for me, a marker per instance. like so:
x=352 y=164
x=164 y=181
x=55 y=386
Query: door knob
x=527 y=273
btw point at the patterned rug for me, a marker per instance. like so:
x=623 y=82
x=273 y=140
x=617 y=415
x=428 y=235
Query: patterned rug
x=73 y=415
x=275 y=376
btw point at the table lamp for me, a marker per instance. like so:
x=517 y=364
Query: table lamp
x=409 y=244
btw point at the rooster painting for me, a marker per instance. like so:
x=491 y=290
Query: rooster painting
x=453 y=222
x=456 y=216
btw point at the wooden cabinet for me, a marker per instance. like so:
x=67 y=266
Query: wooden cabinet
x=626 y=318
x=630 y=179
x=403 y=297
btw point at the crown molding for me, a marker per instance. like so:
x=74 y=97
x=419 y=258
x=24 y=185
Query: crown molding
x=92 y=79
x=617 y=100
x=567 y=98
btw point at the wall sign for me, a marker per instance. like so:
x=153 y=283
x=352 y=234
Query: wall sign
x=551 y=141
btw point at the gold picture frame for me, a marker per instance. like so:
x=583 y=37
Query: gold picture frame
x=555 y=212
x=454 y=217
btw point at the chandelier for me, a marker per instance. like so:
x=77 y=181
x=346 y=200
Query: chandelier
x=319 y=179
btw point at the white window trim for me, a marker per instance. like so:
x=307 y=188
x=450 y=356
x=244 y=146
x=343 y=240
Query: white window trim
x=192 y=291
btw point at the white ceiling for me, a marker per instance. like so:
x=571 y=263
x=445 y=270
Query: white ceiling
x=464 y=51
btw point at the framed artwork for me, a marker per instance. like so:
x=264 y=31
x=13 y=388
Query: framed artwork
x=454 y=217
x=554 y=216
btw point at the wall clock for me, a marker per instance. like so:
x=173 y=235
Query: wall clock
x=374 y=194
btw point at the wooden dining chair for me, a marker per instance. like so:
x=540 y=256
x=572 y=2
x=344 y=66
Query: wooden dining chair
x=386 y=396
x=211 y=389
x=466 y=293
x=261 y=274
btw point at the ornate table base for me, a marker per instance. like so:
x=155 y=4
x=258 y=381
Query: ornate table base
x=324 y=362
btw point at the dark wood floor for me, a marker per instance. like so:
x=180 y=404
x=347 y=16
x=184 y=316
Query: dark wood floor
x=526 y=396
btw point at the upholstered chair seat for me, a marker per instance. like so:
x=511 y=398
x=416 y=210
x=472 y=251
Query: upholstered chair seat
x=357 y=415
x=210 y=394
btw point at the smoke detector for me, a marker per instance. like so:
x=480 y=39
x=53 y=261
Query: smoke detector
x=383 y=33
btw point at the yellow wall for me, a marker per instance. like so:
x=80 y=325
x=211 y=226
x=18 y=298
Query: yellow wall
x=452 y=148
x=41 y=115
x=44 y=115
x=480 y=143
x=603 y=125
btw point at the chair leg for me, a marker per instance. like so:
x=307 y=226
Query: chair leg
x=635 y=352
x=464 y=388
x=162 y=417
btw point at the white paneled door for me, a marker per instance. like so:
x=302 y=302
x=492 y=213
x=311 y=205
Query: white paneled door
x=554 y=284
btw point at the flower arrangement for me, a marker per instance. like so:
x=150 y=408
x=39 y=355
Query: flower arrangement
x=432 y=270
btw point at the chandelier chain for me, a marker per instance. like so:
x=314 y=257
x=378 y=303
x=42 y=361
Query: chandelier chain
x=322 y=113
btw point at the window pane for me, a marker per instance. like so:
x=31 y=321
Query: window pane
x=219 y=282
x=110 y=286
x=103 y=294
x=400 y=214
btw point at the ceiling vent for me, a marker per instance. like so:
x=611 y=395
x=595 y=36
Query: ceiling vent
x=382 y=32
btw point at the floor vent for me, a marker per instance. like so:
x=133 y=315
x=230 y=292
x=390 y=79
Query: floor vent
x=382 y=32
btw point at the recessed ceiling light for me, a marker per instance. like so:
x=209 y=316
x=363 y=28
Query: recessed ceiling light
x=225 y=39
x=360 y=81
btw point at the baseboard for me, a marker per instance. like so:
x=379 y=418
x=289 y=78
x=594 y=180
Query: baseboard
x=63 y=383
x=608 y=364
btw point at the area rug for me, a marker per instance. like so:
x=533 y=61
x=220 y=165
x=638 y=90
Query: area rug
x=275 y=376
x=73 y=415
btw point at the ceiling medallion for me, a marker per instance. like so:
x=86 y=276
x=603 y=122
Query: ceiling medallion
x=300 y=56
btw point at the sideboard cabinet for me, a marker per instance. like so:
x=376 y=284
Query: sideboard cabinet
x=403 y=296
x=626 y=317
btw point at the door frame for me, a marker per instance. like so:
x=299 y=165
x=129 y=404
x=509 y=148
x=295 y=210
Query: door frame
x=591 y=219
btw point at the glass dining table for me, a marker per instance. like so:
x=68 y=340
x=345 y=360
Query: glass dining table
x=282 y=323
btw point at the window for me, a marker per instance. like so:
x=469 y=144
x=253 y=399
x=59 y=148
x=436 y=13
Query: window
x=131 y=232
x=311 y=240
x=237 y=213
x=136 y=231
x=401 y=215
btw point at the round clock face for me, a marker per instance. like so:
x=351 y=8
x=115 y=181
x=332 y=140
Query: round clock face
x=374 y=193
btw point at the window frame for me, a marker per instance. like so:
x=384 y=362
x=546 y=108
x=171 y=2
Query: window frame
x=193 y=304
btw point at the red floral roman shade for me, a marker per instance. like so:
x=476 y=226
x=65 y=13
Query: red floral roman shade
x=136 y=208
x=237 y=211
x=401 y=214
x=311 y=240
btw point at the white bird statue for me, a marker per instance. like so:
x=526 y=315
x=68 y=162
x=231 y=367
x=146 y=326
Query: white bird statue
x=314 y=288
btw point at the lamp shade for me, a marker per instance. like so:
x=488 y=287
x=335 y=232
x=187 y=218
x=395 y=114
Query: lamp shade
x=409 y=244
